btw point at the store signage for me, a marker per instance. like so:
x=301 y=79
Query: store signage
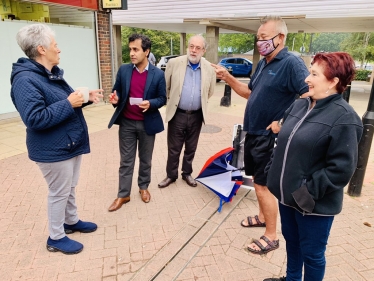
x=89 y=4
x=115 y=4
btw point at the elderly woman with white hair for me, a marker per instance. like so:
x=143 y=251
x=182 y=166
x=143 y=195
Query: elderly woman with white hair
x=57 y=134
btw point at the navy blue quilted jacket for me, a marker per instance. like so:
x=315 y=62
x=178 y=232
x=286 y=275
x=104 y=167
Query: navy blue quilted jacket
x=55 y=130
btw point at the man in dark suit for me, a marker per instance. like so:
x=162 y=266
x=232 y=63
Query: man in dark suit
x=138 y=93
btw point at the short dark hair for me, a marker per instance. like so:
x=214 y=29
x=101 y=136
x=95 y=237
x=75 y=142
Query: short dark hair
x=146 y=42
x=337 y=64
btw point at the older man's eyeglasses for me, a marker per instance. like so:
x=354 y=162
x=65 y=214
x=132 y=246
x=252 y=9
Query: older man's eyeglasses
x=193 y=47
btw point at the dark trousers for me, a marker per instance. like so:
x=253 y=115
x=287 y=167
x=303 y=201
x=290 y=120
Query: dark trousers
x=131 y=134
x=184 y=129
x=306 y=239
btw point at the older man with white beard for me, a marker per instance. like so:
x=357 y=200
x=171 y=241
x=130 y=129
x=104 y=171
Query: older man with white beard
x=190 y=82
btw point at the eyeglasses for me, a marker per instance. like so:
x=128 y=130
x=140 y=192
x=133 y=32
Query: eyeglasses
x=198 y=48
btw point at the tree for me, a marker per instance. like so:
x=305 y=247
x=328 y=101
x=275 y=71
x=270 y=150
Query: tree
x=161 y=42
x=315 y=42
x=328 y=42
x=294 y=41
x=360 y=46
x=299 y=42
x=237 y=43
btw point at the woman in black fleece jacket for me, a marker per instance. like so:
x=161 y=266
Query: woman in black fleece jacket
x=315 y=157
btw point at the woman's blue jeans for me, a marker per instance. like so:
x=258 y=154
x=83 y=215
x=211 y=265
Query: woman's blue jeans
x=306 y=239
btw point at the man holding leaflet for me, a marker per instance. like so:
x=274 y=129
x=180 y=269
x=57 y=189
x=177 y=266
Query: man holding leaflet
x=138 y=93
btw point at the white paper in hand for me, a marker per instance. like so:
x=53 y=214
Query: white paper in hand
x=135 y=101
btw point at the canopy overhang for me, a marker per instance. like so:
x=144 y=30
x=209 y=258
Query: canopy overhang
x=192 y=16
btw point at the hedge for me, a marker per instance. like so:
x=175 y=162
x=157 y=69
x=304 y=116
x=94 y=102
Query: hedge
x=362 y=74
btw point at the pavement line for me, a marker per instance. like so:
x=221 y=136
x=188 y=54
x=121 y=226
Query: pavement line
x=184 y=245
x=177 y=253
x=233 y=207
x=159 y=253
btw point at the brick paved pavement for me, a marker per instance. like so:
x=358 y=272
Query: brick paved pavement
x=179 y=235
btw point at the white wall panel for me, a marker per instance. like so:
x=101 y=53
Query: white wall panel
x=78 y=57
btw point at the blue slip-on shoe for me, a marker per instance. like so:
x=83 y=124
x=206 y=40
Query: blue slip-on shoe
x=64 y=245
x=81 y=226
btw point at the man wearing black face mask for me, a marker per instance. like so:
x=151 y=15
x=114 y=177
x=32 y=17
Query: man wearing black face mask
x=278 y=78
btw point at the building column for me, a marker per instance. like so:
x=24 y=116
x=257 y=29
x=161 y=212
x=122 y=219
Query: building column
x=105 y=62
x=256 y=55
x=212 y=36
x=183 y=46
x=117 y=47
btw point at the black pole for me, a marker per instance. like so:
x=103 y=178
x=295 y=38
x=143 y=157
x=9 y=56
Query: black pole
x=355 y=185
x=347 y=93
x=226 y=99
x=236 y=146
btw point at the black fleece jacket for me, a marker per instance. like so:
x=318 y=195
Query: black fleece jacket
x=316 y=155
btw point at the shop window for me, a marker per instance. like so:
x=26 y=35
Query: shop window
x=27 y=11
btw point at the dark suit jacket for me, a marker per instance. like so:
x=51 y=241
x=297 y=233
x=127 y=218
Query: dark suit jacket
x=155 y=93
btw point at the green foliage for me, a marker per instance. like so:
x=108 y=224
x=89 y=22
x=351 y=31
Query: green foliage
x=316 y=42
x=235 y=43
x=360 y=46
x=161 y=42
x=362 y=74
x=328 y=42
x=295 y=41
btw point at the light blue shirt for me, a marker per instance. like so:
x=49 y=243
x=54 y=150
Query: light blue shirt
x=145 y=69
x=191 y=90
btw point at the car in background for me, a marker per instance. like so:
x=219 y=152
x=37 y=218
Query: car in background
x=241 y=67
x=164 y=60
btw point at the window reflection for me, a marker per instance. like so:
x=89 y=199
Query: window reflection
x=27 y=11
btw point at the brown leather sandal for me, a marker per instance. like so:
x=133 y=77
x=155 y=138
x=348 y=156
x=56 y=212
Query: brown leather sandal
x=251 y=224
x=271 y=246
